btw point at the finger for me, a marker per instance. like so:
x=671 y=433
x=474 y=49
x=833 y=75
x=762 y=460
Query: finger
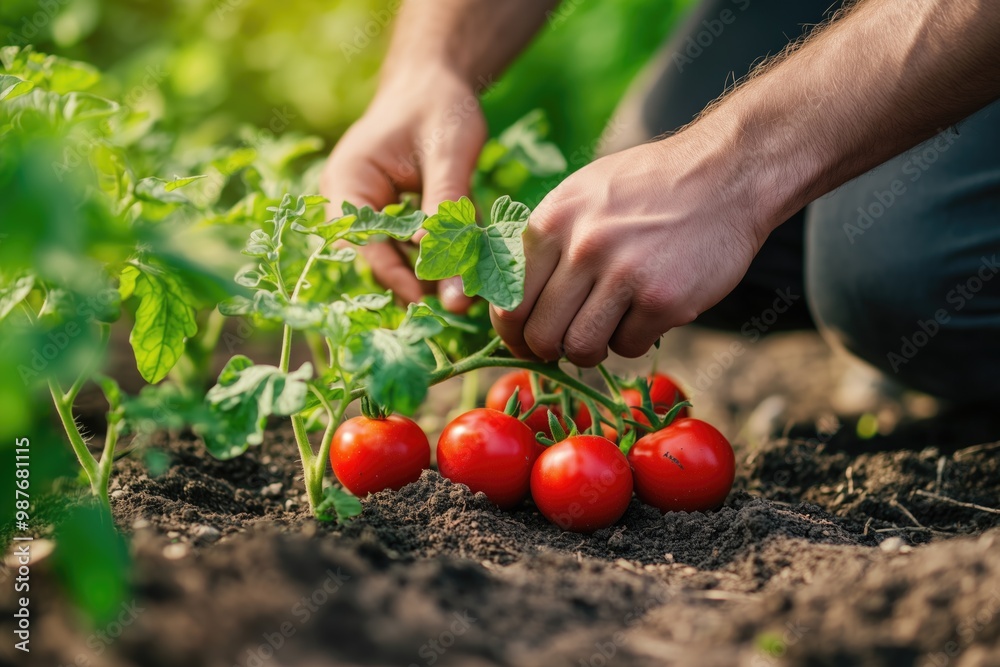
x=557 y=305
x=587 y=340
x=392 y=270
x=542 y=256
x=359 y=182
x=453 y=295
x=447 y=169
x=638 y=330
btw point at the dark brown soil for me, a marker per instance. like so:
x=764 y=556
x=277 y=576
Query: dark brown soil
x=829 y=551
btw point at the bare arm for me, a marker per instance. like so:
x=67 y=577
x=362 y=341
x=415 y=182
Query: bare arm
x=883 y=78
x=476 y=39
x=424 y=130
x=647 y=239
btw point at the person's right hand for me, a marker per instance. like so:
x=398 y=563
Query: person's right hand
x=421 y=133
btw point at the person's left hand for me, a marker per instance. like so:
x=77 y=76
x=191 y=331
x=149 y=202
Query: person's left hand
x=632 y=245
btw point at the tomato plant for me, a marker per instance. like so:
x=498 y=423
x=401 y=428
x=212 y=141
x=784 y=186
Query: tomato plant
x=582 y=483
x=686 y=467
x=537 y=419
x=374 y=452
x=491 y=452
x=663 y=394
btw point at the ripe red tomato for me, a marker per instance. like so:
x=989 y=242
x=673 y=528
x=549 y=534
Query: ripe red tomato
x=503 y=388
x=491 y=452
x=582 y=483
x=664 y=393
x=369 y=455
x=687 y=467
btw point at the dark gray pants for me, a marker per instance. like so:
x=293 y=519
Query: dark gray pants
x=900 y=265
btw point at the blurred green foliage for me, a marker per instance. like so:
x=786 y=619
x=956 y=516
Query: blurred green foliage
x=208 y=67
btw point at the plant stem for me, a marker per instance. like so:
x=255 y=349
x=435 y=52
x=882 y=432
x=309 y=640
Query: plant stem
x=64 y=408
x=286 y=348
x=610 y=380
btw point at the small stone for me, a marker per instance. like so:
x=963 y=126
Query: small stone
x=668 y=557
x=173 y=534
x=205 y=534
x=272 y=490
x=140 y=524
x=175 y=551
x=117 y=493
x=894 y=545
x=291 y=504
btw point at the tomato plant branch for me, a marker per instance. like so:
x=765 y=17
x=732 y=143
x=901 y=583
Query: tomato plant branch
x=610 y=380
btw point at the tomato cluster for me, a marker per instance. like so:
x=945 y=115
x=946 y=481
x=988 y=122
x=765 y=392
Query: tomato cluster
x=580 y=483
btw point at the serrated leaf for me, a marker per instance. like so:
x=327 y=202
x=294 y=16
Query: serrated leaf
x=12 y=86
x=397 y=362
x=15 y=293
x=164 y=320
x=359 y=226
x=245 y=396
x=338 y=504
x=490 y=259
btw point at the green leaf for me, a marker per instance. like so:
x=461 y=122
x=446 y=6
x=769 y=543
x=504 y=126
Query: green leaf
x=179 y=182
x=164 y=320
x=245 y=396
x=15 y=293
x=396 y=362
x=490 y=259
x=155 y=190
x=342 y=255
x=338 y=504
x=362 y=225
x=525 y=141
x=12 y=86
x=92 y=561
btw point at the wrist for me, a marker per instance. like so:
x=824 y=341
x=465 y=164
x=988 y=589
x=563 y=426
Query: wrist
x=426 y=79
x=771 y=159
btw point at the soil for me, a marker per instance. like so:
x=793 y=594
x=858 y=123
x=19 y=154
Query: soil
x=832 y=549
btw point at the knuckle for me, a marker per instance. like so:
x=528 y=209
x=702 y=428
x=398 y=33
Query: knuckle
x=541 y=341
x=629 y=347
x=583 y=350
x=652 y=300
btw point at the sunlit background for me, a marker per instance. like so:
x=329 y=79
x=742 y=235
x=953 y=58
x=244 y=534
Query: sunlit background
x=219 y=66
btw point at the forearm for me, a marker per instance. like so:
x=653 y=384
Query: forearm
x=474 y=39
x=882 y=78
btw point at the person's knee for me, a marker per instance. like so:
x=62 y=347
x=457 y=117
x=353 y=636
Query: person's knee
x=918 y=323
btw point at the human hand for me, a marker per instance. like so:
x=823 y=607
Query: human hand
x=632 y=245
x=421 y=133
